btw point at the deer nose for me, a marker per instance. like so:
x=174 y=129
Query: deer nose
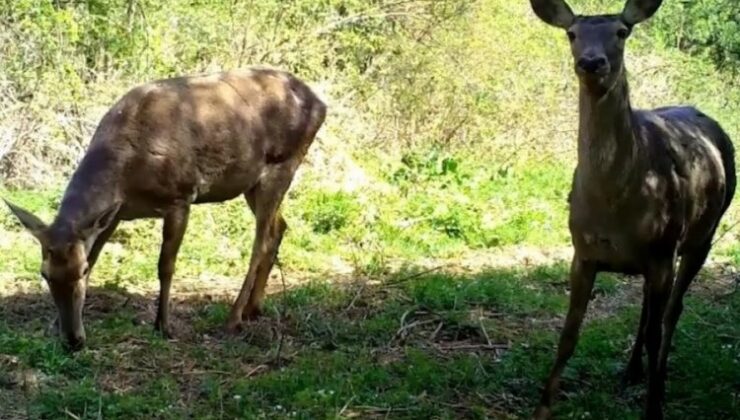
x=592 y=65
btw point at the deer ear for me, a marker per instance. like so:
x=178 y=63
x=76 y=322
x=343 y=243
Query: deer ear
x=99 y=222
x=636 y=11
x=553 y=12
x=32 y=223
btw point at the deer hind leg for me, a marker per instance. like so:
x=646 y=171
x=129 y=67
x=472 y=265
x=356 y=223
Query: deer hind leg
x=582 y=275
x=266 y=198
x=173 y=230
x=691 y=263
x=274 y=238
x=659 y=280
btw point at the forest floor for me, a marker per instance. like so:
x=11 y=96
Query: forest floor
x=471 y=337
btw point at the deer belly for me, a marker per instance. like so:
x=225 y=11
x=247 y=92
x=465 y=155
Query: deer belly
x=218 y=187
x=613 y=252
x=220 y=194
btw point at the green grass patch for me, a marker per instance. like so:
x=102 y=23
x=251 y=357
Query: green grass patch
x=432 y=345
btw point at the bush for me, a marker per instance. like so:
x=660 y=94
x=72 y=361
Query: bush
x=329 y=211
x=709 y=28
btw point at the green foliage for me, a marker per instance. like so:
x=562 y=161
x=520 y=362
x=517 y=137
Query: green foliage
x=708 y=28
x=329 y=211
x=154 y=38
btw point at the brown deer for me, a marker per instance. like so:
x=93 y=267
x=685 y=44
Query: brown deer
x=164 y=146
x=649 y=187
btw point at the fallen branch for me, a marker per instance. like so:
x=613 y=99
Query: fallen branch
x=436 y=331
x=280 y=315
x=355 y=298
x=387 y=410
x=404 y=331
x=473 y=347
x=256 y=370
x=70 y=414
x=346 y=405
x=413 y=276
x=485 y=333
x=206 y=372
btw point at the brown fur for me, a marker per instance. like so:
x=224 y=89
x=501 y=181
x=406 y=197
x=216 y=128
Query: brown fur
x=650 y=187
x=166 y=145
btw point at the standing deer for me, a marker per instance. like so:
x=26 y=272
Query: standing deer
x=649 y=186
x=164 y=146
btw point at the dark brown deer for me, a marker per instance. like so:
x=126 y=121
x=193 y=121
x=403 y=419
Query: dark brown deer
x=649 y=187
x=164 y=146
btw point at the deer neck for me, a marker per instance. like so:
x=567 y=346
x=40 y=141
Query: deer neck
x=607 y=145
x=91 y=190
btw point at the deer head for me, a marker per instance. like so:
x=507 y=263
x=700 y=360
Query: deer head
x=597 y=42
x=64 y=265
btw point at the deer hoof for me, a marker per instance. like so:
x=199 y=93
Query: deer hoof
x=163 y=330
x=252 y=314
x=165 y=333
x=654 y=412
x=233 y=326
x=542 y=413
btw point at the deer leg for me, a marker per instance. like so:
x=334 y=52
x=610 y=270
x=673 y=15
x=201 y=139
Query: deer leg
x=275 y=236
x=173 y=230
x=258 y=251
x=635 y=372
x=659 y=280
x=691 y=263
x=254 y=305
x=582 y=275
x=265 y=201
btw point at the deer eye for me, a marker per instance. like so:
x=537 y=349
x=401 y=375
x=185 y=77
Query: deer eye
x=571 y=36
x=623 y=33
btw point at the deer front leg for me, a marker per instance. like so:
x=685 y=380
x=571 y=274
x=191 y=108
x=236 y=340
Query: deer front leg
x=173 y=230
x=582 y=275
x=635 y=373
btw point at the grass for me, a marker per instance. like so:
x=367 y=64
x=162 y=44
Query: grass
x=414 y=345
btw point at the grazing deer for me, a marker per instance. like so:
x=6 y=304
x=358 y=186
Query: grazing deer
x=649 y=186
x=164 y=146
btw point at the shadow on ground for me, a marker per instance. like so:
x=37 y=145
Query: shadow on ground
x=415 y=345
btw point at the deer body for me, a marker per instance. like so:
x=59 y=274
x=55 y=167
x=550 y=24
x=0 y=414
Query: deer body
x=201 y=139
x=650 y=187
x=165 y=146
x=661 y=182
